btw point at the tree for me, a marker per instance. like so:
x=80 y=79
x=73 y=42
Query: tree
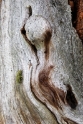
x=41 y=63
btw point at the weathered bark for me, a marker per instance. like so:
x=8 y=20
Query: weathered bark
x=41 y=63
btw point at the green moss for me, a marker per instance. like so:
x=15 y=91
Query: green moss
x=19 y=76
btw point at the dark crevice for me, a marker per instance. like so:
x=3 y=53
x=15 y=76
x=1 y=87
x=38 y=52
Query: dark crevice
x=53 y=3
x=47 y=35
x=23 y=31
x=74 y=7
x=70 y=97
x=77 y=16
x=30 y=11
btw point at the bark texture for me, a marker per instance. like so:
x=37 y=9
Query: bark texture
x=77 y=16
x=41 y=63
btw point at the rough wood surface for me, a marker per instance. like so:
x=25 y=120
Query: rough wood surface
x=41 y=63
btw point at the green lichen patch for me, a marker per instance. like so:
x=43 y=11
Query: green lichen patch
x=19 y=76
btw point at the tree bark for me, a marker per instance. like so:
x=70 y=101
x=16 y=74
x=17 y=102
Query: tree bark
x=41 y=63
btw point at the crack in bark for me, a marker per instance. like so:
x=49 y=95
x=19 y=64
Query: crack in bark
x=70 y=98
x=47 y=43
x=77 y=16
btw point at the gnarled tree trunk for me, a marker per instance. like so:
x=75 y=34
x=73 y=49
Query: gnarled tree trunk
x=41 y=63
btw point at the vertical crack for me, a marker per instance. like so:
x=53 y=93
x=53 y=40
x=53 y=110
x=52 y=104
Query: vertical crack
x=77 y=16
x=47 y=35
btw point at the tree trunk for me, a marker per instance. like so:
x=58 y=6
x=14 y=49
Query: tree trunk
x=41 y=63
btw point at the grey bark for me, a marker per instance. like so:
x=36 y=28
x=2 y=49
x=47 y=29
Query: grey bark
x=41 y=63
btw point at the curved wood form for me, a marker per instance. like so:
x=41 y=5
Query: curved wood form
x=38 y=33
x=41 y=62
